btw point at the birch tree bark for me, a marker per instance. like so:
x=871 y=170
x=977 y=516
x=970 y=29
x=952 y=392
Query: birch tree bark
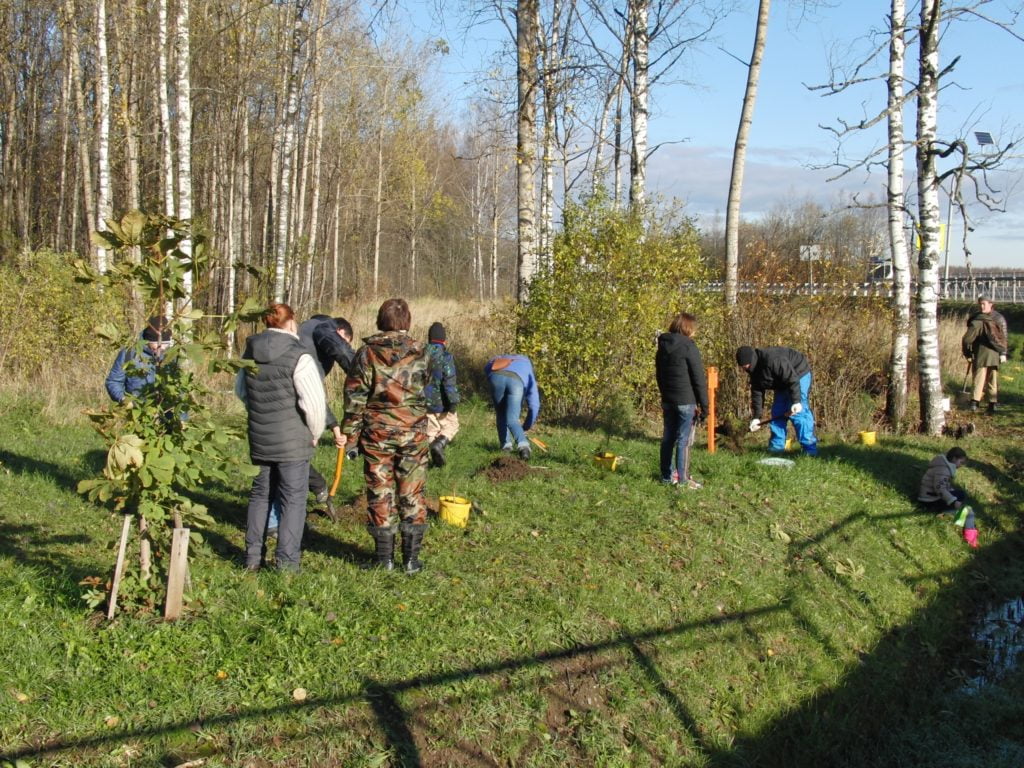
x=739 y=156
x=183 y=89
x=896 y=396
x=526 y=143
x=289 y=131
x=929 y=373
x=638 y=105
x=104 y=203
x=163 y=100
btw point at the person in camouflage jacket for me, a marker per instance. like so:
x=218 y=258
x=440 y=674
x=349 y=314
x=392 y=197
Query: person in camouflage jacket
x=442 y=395
x=386 y=413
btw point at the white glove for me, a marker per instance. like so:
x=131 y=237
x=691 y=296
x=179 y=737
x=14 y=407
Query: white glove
x=797 y=408
x=1002 y=358
x=755 y=424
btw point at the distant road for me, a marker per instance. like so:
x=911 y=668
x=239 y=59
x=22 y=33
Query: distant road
x=1006 y=289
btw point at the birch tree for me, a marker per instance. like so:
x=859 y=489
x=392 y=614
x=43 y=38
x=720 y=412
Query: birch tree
x=929 y=373
x=104 y=202
x=739 y=155
x=896 y=392
x=527 y=14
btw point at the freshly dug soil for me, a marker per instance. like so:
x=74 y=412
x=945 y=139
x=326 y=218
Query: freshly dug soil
x=504 y=469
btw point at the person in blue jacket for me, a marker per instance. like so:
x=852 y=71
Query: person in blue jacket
x=788 y=373
x=511 y=379
x=132 y=371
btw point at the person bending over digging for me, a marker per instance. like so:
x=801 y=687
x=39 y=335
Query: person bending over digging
x=786 y=372
x=511 y=379
x=442 y=395
x=386 y=414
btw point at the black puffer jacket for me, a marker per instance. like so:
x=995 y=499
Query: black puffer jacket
x=680 y=372
x=776 y=368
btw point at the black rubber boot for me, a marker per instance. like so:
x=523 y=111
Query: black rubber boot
x=412 y=540
x=993 y=406
x=384 y=538
x=437 y=451
x=973 y=406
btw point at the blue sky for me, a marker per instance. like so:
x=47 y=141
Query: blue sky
x=698 y=122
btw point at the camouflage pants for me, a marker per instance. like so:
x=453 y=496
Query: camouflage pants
x=395 y=463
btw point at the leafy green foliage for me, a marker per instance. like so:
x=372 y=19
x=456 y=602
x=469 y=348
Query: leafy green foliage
x=46 y=318
x=162 y=442
x=593 y=315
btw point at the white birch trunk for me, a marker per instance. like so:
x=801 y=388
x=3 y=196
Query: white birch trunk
x=929 y=373
x=896 y=399
x=288 y=139
x=739 y=156
x=163 y=99
x=638 y=14
x=183 y=88
x=526 y=143
x=104 y=203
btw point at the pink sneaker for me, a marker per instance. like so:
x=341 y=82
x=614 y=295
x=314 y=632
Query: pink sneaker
x=971 y=537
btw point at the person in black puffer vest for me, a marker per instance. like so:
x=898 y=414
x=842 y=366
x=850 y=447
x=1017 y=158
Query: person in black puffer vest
x=284 y=396
x=679 y=370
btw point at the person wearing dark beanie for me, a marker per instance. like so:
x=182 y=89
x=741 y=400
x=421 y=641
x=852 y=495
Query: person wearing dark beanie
x=786 y=372
x=134 y=370
x=442 y=393
x=437 y=334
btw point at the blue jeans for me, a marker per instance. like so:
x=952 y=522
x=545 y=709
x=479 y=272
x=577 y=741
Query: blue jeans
x=507 y=393
x=678 y=434
x=803 y=422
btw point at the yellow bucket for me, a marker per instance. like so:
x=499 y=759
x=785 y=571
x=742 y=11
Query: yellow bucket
x=454 y=510
x=867 y=438
x=606 y=460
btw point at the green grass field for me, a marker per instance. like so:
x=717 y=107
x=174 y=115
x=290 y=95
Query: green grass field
x=778 y=617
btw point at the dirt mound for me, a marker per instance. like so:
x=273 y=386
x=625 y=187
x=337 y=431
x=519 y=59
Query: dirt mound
x=505 y=468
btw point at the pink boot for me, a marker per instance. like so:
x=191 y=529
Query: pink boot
x=971 y=537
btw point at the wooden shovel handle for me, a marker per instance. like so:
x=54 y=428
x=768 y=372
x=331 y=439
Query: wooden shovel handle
x=338 y=464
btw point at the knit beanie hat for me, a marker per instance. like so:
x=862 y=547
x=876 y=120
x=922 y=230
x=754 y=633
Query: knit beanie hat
x=746 y=356
x=158 y=329
x=437 y=333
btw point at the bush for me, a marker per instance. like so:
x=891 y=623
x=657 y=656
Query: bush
x=594 y=313
x=47 y=319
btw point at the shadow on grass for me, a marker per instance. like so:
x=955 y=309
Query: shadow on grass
x=881 y=713
x=62 y=477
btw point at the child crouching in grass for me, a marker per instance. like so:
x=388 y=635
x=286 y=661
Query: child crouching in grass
x=938 y=494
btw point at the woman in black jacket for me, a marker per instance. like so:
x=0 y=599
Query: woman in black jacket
x=684 y=397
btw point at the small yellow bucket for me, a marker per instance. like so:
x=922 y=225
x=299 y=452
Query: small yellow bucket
x=606 y=460
x=867 y=438
x=454 y=510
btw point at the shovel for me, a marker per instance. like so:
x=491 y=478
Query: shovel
x=540 y=444
x=338 y=464
x=967 y=375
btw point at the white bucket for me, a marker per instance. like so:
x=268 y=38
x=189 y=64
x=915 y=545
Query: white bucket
x=946 y=405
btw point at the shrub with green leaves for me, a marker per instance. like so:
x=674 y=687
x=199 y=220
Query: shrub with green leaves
x=594 y=312
x=46 y=316
x=163 y=443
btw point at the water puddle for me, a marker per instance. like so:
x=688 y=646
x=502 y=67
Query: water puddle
x=1000 y=639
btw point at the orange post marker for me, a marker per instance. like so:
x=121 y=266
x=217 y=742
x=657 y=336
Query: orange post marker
x=712 y=373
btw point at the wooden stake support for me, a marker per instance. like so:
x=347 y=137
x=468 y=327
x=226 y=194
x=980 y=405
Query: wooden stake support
x=177 y=573
x=712 y=373
x=119 y=568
